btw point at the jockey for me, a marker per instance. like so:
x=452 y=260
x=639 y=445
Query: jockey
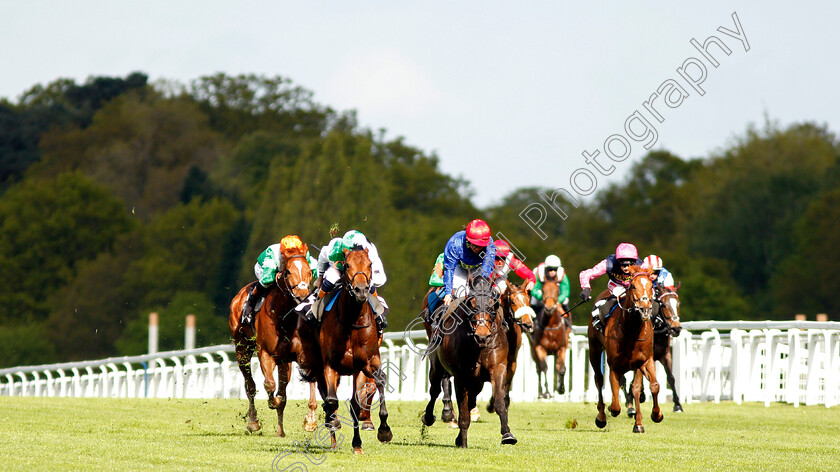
x=331 y=266
x=661 y=276
x=505 y=261
x=617 y=268
x=551 y=269
x=466 y=250
x=269 y=263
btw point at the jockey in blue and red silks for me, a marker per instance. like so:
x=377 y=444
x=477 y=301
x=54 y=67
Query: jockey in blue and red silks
x=617 y=268
x=468 y=250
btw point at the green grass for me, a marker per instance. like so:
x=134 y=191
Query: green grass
x=127 y=435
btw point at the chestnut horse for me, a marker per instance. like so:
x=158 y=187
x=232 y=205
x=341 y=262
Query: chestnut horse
x=518 y=315
x=347 y=343
x=628 y=343
x=551 y=337
x=474 y=350
x=276 y=338
x=669 y=308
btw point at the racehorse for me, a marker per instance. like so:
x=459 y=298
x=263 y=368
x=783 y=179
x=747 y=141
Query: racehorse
x=628 y=343
x=551 y=337
x=474 y=350
x=515 y=301
x=347 y=344
x=669 y=308
x=275 y=336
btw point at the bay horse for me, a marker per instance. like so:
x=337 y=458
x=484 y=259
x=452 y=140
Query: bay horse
x=518 y=316
x=669 y=308
x=551 y=337
x=628 y=343
x=447 y=414
x=275 y=337
x=474 y=350
x=347 y=343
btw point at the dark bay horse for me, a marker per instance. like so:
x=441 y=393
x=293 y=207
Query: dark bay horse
x=628 y=343
x=669 y=309
x=275 y=337
x=474 y=350
x=518 y=315
x=347 y=343
x=551 y=337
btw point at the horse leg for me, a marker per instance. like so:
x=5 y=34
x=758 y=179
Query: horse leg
x=666 y=362
x=268 y=364
x=560 y=370
x=463 y=398
x=542 y=372
x=650 y=369
x=284 y=375
x=365 y=392
x=498 y=379
x=331 y=378
x=244 y=351
x=595 y=351
x=448 y=413
x=435 y=380
x=637 y=390
x=628 y=397
x=615 y=406
x=310 y=421
x=355 y=409
x=384 y=433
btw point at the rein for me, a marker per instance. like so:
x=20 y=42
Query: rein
x=286 y=274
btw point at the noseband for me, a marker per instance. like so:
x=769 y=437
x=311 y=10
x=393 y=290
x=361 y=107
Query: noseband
x=286 y=274
x=645 y=313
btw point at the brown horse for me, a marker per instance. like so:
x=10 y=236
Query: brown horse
x=518 y=315
x=669 y=309
x=447 y=414
x=474 y=350
x=551 y=337
x=628 y=343
x=347 y=343
x=275 y=337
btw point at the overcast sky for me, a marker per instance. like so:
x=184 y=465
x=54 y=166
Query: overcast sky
x=507 y=94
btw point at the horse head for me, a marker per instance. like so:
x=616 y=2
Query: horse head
x=483 y=303
x=518 y=301
x=669 y=302
x=358 y=273
x=640 y=291
x=551 y=293
x=297 y=275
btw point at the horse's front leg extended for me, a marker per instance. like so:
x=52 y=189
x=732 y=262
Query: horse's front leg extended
x=595 y=362
x=244 y=351
x=462 y=397
x=560 y=370
x=447 y=415
x=650 y=370
x=379 y=375
x=435 y=381
x=331 y=378
x=542 y=372
x=284 y=375
x=637 y=391
x=498 y=379
x=268 y=364
x=310 y=421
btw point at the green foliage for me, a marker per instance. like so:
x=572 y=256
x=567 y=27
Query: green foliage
x=46 y=228
x=25 y=344
x=211 y=327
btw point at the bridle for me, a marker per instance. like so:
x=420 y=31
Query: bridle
x=286 y=273
x=645 y=313
x=509 y=295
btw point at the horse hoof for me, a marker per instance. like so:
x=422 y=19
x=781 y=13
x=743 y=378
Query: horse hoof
x=428 y=420
x=631 y=412
x=678 y=408
x=459 y=442
x=508 y=438
x=453 y=424
x=447 y=416
x=358 y=451
x=638 y=428
x=280 y=432
x=309 y=426
x=368 y=425
x=385 y=435
x=254 y=426
x=615 y=413
x=642 y=397
x=657 y=419
x=490 y=407
x=474 y=414
x=600 y=423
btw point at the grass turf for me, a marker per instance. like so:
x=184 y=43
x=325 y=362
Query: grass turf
x=140 y=434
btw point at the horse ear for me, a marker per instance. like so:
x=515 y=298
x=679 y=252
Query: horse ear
x=346 y=251
x=678 y=286
x=367 y=250
x=305 y=249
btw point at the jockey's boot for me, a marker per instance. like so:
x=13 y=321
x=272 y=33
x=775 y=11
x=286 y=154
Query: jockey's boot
x=314 y=309
x=601 y=312
x=253 y=302
x=380 y=310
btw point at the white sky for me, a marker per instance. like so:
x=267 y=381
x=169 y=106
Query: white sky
x=486 y=85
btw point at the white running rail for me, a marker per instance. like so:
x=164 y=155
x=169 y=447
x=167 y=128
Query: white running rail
x=796 y=362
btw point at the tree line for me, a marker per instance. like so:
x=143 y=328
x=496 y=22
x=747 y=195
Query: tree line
x=119 y=197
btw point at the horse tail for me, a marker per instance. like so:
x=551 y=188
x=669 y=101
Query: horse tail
x=307 y=375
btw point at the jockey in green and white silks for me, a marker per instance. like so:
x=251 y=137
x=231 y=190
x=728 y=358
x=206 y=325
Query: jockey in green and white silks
x=269 y=263
x=551 y=269
x=330 y=266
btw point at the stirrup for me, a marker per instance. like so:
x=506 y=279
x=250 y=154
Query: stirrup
x=596 y=323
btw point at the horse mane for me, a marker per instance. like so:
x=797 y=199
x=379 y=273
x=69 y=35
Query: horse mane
x=634 y=269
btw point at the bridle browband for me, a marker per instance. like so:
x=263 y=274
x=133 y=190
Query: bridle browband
x=287 y=273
